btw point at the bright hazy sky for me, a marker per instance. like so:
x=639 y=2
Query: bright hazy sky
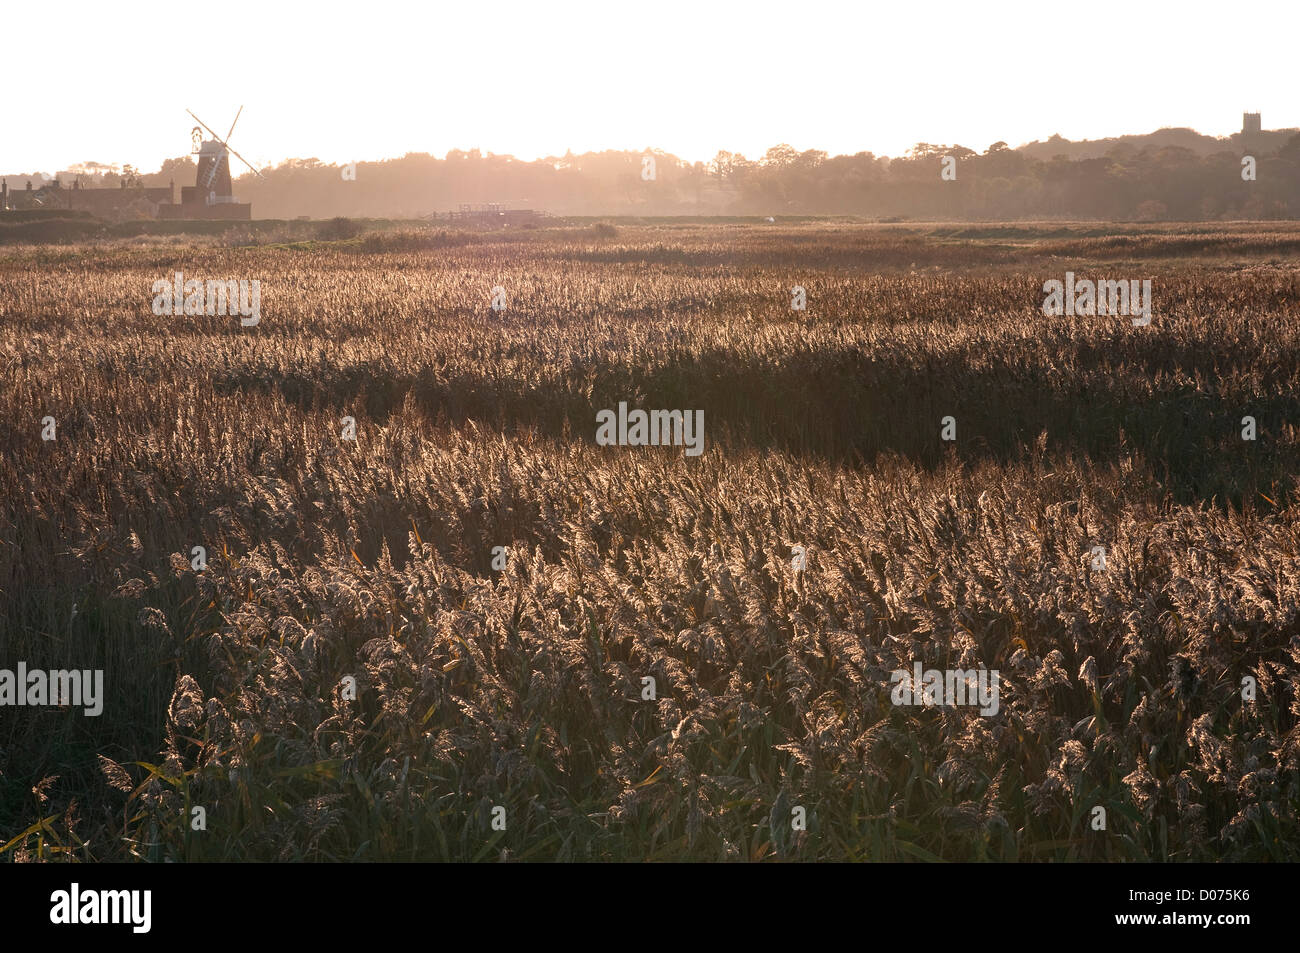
x=366 y=80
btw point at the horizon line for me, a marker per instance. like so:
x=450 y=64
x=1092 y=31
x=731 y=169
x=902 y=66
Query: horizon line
x=114 y=168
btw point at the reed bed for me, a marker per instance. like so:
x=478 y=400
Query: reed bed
x=521 y=686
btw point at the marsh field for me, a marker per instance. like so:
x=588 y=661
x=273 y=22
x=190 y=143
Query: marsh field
x=474 y=633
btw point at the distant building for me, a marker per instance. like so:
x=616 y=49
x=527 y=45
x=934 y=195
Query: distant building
x=117 y=204
x=212 y=194
x=1251 y=132
x=493 y=213
x=210 y=197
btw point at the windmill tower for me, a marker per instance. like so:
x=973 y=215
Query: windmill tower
x=213 y=182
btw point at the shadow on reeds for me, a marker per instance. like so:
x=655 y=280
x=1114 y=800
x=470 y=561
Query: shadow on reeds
x=848 y=406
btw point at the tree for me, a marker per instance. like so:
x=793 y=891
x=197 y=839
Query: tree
x=1291 y=150
x=780 y=155
x=723 y=164
x=810 y=159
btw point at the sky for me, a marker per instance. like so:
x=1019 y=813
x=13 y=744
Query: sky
x=343 y=80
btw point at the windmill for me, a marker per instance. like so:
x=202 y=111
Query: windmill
x=214 y=154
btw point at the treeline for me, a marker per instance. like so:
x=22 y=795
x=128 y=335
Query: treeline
x=1148 y=183
x=1002 y=183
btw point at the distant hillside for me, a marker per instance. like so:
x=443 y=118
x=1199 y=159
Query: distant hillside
x=1168 y=175
x=1272 y=140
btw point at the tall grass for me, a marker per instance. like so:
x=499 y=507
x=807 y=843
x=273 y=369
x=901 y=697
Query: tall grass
x=522 y=688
